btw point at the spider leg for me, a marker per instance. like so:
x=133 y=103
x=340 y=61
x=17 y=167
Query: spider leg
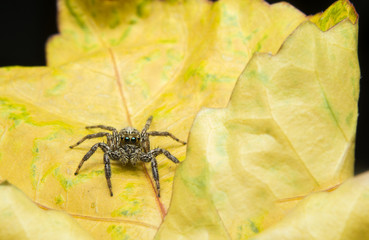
x=108 y=172
x=102 y=127
x=155 y=174
x=165 y=134
x=147 y=125
x=93 y=149
x=94 y=135
x=149 y=157
x=155 y=152
x=145 y=143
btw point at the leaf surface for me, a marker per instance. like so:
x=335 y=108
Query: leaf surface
x=20 y=218
x=342 y=214
x=288 y=130
x=115 y=64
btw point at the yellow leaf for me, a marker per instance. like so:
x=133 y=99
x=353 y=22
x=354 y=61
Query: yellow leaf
x=116 y=63
x=336 y=13
x=20 y=218
x=342 y=214
x=288 y=130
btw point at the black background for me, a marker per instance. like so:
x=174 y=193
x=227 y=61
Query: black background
x=26 y=25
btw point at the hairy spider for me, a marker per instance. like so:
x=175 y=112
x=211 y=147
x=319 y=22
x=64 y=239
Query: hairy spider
x=127 y=146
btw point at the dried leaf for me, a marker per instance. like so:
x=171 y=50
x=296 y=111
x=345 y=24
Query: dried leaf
x=20 y=218
x=342 y=214
x=116 y=63
x=288 y=130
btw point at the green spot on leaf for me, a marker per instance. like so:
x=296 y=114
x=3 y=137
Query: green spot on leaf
x=336 y=13
x=59 y=200
x=67 y=183
x=15 y=112
x=58 y=88
x=75 y=15
x=117 y=232
x=143 y=8
x=253 y=227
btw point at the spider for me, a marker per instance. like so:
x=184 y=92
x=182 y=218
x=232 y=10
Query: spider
x=127 y=146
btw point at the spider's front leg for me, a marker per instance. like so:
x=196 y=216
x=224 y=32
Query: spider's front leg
x=108 y=172
x=150 y=157
x=155 y=152
x=93 y=149
x=155 y=174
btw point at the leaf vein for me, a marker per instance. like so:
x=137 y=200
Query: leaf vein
x=287 y=138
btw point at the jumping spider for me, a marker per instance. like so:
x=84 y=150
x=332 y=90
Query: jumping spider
x=127 y=146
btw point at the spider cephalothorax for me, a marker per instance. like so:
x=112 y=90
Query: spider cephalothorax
x=129 y=135
x=127 y=146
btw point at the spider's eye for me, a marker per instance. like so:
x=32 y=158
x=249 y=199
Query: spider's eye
x=138 y=139
x=126 y=139
x=133 y=139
